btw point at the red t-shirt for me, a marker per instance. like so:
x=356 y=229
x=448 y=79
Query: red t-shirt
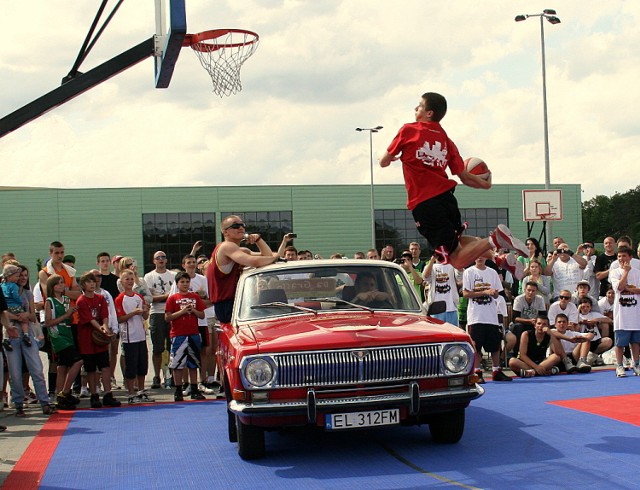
x=185 y=324
x=90 y=309
x=426 y=153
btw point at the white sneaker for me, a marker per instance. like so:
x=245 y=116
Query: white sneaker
x=569 y=366
x=84 y=392
x=620 y=372
x=203 y=389
x=584 y=367
x=144 y=397
x=636 y=370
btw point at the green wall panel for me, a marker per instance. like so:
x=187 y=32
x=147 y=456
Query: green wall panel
x=327 y=218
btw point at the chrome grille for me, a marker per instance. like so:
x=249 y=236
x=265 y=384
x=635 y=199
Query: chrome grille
x=344 y=367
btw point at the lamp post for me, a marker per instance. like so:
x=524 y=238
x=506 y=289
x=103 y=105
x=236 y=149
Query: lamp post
x=550 y=16
x=373 y=214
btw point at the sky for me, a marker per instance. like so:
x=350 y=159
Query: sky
x=322 y=69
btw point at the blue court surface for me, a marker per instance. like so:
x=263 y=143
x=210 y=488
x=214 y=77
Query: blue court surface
x=516 y=437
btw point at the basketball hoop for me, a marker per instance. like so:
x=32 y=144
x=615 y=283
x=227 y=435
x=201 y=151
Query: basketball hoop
x=222 y=53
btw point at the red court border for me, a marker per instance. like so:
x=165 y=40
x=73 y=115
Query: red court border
x=623 y=408
x=30 y=468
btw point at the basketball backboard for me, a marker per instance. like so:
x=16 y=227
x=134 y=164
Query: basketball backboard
x=542 y=205
x=171 y=28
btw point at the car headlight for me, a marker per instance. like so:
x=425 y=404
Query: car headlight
x=258 y=372
x=457 y=358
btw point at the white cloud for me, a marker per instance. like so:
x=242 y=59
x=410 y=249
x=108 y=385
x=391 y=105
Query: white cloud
x=321 y=70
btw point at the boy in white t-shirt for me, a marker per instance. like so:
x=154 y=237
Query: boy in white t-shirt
x=482 y=285
x=625 y=282
x=443 y=289
x=132 y=310
x=594 y=323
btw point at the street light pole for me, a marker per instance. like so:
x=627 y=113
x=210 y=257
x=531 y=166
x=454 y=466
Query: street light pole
x=373 y=214
x=550 y=16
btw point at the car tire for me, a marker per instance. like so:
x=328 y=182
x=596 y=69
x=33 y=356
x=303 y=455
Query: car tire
x=250 y=441
x=231 y=426
x=447 y=427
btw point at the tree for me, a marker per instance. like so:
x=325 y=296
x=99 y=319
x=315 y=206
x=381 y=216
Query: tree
x=617 y=215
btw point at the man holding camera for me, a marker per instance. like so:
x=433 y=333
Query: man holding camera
x=565 y=268
x=406 y=261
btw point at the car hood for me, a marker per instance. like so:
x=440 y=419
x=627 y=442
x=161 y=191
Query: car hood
x=343 y=331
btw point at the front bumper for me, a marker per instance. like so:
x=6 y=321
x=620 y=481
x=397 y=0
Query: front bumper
x=415 y=400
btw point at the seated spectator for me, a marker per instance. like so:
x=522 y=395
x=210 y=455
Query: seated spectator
x=532 y=359
x=599 y=326
x=527 y=307
x=564 y=305
x=583 y=289
x=574 y=356
x=535 y=275
x=367 y=293
x=605 y=304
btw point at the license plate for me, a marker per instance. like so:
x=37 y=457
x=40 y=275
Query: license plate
x=355 y=420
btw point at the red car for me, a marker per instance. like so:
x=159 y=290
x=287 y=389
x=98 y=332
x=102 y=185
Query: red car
x=340 y=344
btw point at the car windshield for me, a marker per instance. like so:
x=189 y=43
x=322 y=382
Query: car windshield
x=325 y=288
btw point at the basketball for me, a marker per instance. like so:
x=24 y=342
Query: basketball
x=477 y=166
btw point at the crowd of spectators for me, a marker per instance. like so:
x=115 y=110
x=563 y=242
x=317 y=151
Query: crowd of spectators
x=567 y=311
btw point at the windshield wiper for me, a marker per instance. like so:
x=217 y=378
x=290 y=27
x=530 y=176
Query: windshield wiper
x=280 y=304
x=344 y=302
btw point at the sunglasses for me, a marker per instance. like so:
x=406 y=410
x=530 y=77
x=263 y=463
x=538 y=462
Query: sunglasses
x=235 y=226
x=201 y=261
x=564 y=297
x=159 y=257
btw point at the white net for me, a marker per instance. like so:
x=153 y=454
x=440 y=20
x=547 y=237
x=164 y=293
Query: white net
x=223 y=56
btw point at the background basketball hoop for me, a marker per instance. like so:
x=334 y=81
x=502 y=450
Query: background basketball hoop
x=222 y=52
x=541 y=205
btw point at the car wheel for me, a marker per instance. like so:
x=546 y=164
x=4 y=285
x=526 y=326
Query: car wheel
x=250 y=440
x=447 y=427
x=231 y=426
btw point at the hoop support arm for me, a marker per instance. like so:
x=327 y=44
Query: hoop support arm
x=75 y=86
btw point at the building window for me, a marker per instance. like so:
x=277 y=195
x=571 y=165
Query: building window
x=271 y=225
x=483 y=221
x=175 y=234
x=397 y=227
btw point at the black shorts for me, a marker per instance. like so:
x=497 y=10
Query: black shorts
x=438 y=220
x=594 y=345
x=486 y=336
x=136 y=359
x=204 y=335
x=93 y=362
x=68 y=357
x=223 y=310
